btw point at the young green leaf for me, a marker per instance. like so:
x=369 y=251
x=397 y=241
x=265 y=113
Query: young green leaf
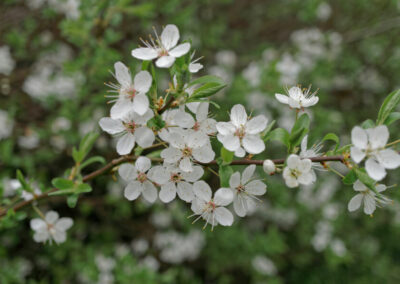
x=388 y=106
x=87 y=143
x=350 y=178
x=279 y=134
x=299 y=130
x=62 y=183
x=394 y=116
x=332 y=137
x=72 y=200
x=225 y=173
x=91 y=160
x=206 y=90
x=83 y=188
x=369 y=123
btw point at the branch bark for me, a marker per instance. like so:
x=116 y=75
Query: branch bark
x=131 y=158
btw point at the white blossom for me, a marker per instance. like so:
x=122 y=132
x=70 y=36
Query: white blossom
x=164 y=48
x=245 y=190
x=296 y=98
x=212 y=209
x=131 y=95
x=178 y=182
x=52 y=228
x=186 y=147
x=7 y=63
x=298 y=171
x=194 y=66
x=269 y=167
x=130 y=129
x=6 y=124
x=242 y=132
x=367 y=197
x=371 y=143
x=140 y=178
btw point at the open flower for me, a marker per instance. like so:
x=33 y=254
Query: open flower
x=245 y=190
x=367 y=197
x=131 y=96
x=298 y=171
x=296 y=98
x=212 y=209
x=186 y=147
x=140 y=178
x=51 y=228
x=178 y=182
x=131 y=129
x=164 y=48
x=371 y=143
x=241 y=132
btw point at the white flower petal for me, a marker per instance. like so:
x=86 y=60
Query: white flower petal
x=282 y=98
x=375 y=170
x=64 y=224
x=171 y=155
x=59 y=237
x=202 y=190
x=41 y=236
x=143 y=164
x=183 y=119
x=51 y=217
x=359 y=137
x=238 y=115
x=223 y=196
x=256 y=124
x=310 y=102
x=378 y=136
x=165 y=61
x=389 y=158
x=169 y=36
x=369 y=204
x=239 y=204
x=225 y=128
x=177 y=140
x=38 y=224
x=185 y=191
x=180 y=50
x=144 y=137
x=142 y=82
x=127 y=172
x=234 y=180
x=306 y=178
x=195 y=67
x=145 y=53
x=359 y=186
x=203 y=154
x=208 y=126
x=149 y=191
x=133 y=190
x=355 y=202
x=158 y=174
x=357 y=154
x=195 y=175
x=123 y=74
x=256 y=187
x=230 y=142
x=240 y=152
x=186 y=165
x=140 y=104
x=125 y=144
x=223 y=216
x=111 y=126
x=167 y=192
x=253 y=144
x=294 y=103
x=202 y=111
x=196 y=139
x=248 y=173
x=293 y=161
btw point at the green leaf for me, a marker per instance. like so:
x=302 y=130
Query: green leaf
x=394 y=116
x=86 y=144
x=279 y=134
x=299 y=130
x=227 y=156
x=72 y=200
x=145 y=65
x=62 y=183
x=369 y=123
x=268 y=129
x=388 y=106
x=225 y=173
x=95 y=159
x=350 y=178
x=23 y=182
x=83 y=188
x=366 y=179
x=76 y=155
x=206 y=90
x=156 y=122
x=207 y=79
x=62 y=192
x=332 y=137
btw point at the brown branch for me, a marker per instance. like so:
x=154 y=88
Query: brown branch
x=131 y=158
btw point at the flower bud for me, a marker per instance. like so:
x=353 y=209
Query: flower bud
x=269 y=167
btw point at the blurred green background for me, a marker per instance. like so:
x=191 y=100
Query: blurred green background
x=55 y=57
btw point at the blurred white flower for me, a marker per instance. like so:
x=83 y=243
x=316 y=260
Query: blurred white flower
x=264 y=265
x=324 y=11
x=140 y=246
x=367 y=197
x=130 y=129
x=6 y=125
x=30 y=140
x=131 y=95
x=252 y=74
x=164 y=48
x=7 y=63
x=371 y=143
x=296 y=98
x=226 y=58
x=298 y=171
x=242 y=132
x=338 y=247
x=52 y=228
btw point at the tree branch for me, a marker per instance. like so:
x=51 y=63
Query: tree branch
x=131 y=158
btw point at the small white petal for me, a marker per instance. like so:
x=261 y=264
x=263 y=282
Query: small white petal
x=282 y=98
x=230 y=142
x=256 y=187
x=171 y=154
x=375 y=170
x=238 y=115
x=248 y=173
x=165 y=61
x=389 y=158
x=223 y=196
x=195 y=175
x=158 y=174
x=240 y=152
x=125 y=144
x=225 y=128
x=234 y=180
x=355 y=202
x=144 y=137
x=378 y=136
x=41 y=236
x=121 y=108
x=59 y=237
x=359 y=138
x=196 y=139
x=51 y=217
x=223 y=216
x=149 y=191
x=133 y=190
x=186 y=165
x=169 y=36
x=183 y=119
x=180 y=50
x=310 y=102
x=167 y=192
x=143 y=164
x=64 y=224
x=369 y=204
x=239 y=206
x=357 y=154
x=202 y=190
x=306 y=178
x=122 y=74
x=203 y=154
x=142 y=82
x=359 y=186
x=253 y=144
x=202 y=112
x=177 y=140
x=145 y=53
x=195 y=67
x=185 y=191
x=256 y=124
x=127 y=172
x=140 y=104
x=293 y=161
x=111 y=126
x=38 y=224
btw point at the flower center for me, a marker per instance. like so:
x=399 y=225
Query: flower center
x=187 y=152
x=175 y=177
x=142 y=177
x=295 y=173
x=163 y=52
x=240 y=132
x=210 y=206
x=240 y=188
x=196 y=126
x=130 y=127
x=130 y=93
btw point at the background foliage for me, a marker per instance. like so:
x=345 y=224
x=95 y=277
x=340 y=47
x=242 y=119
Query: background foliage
x=62 y=55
